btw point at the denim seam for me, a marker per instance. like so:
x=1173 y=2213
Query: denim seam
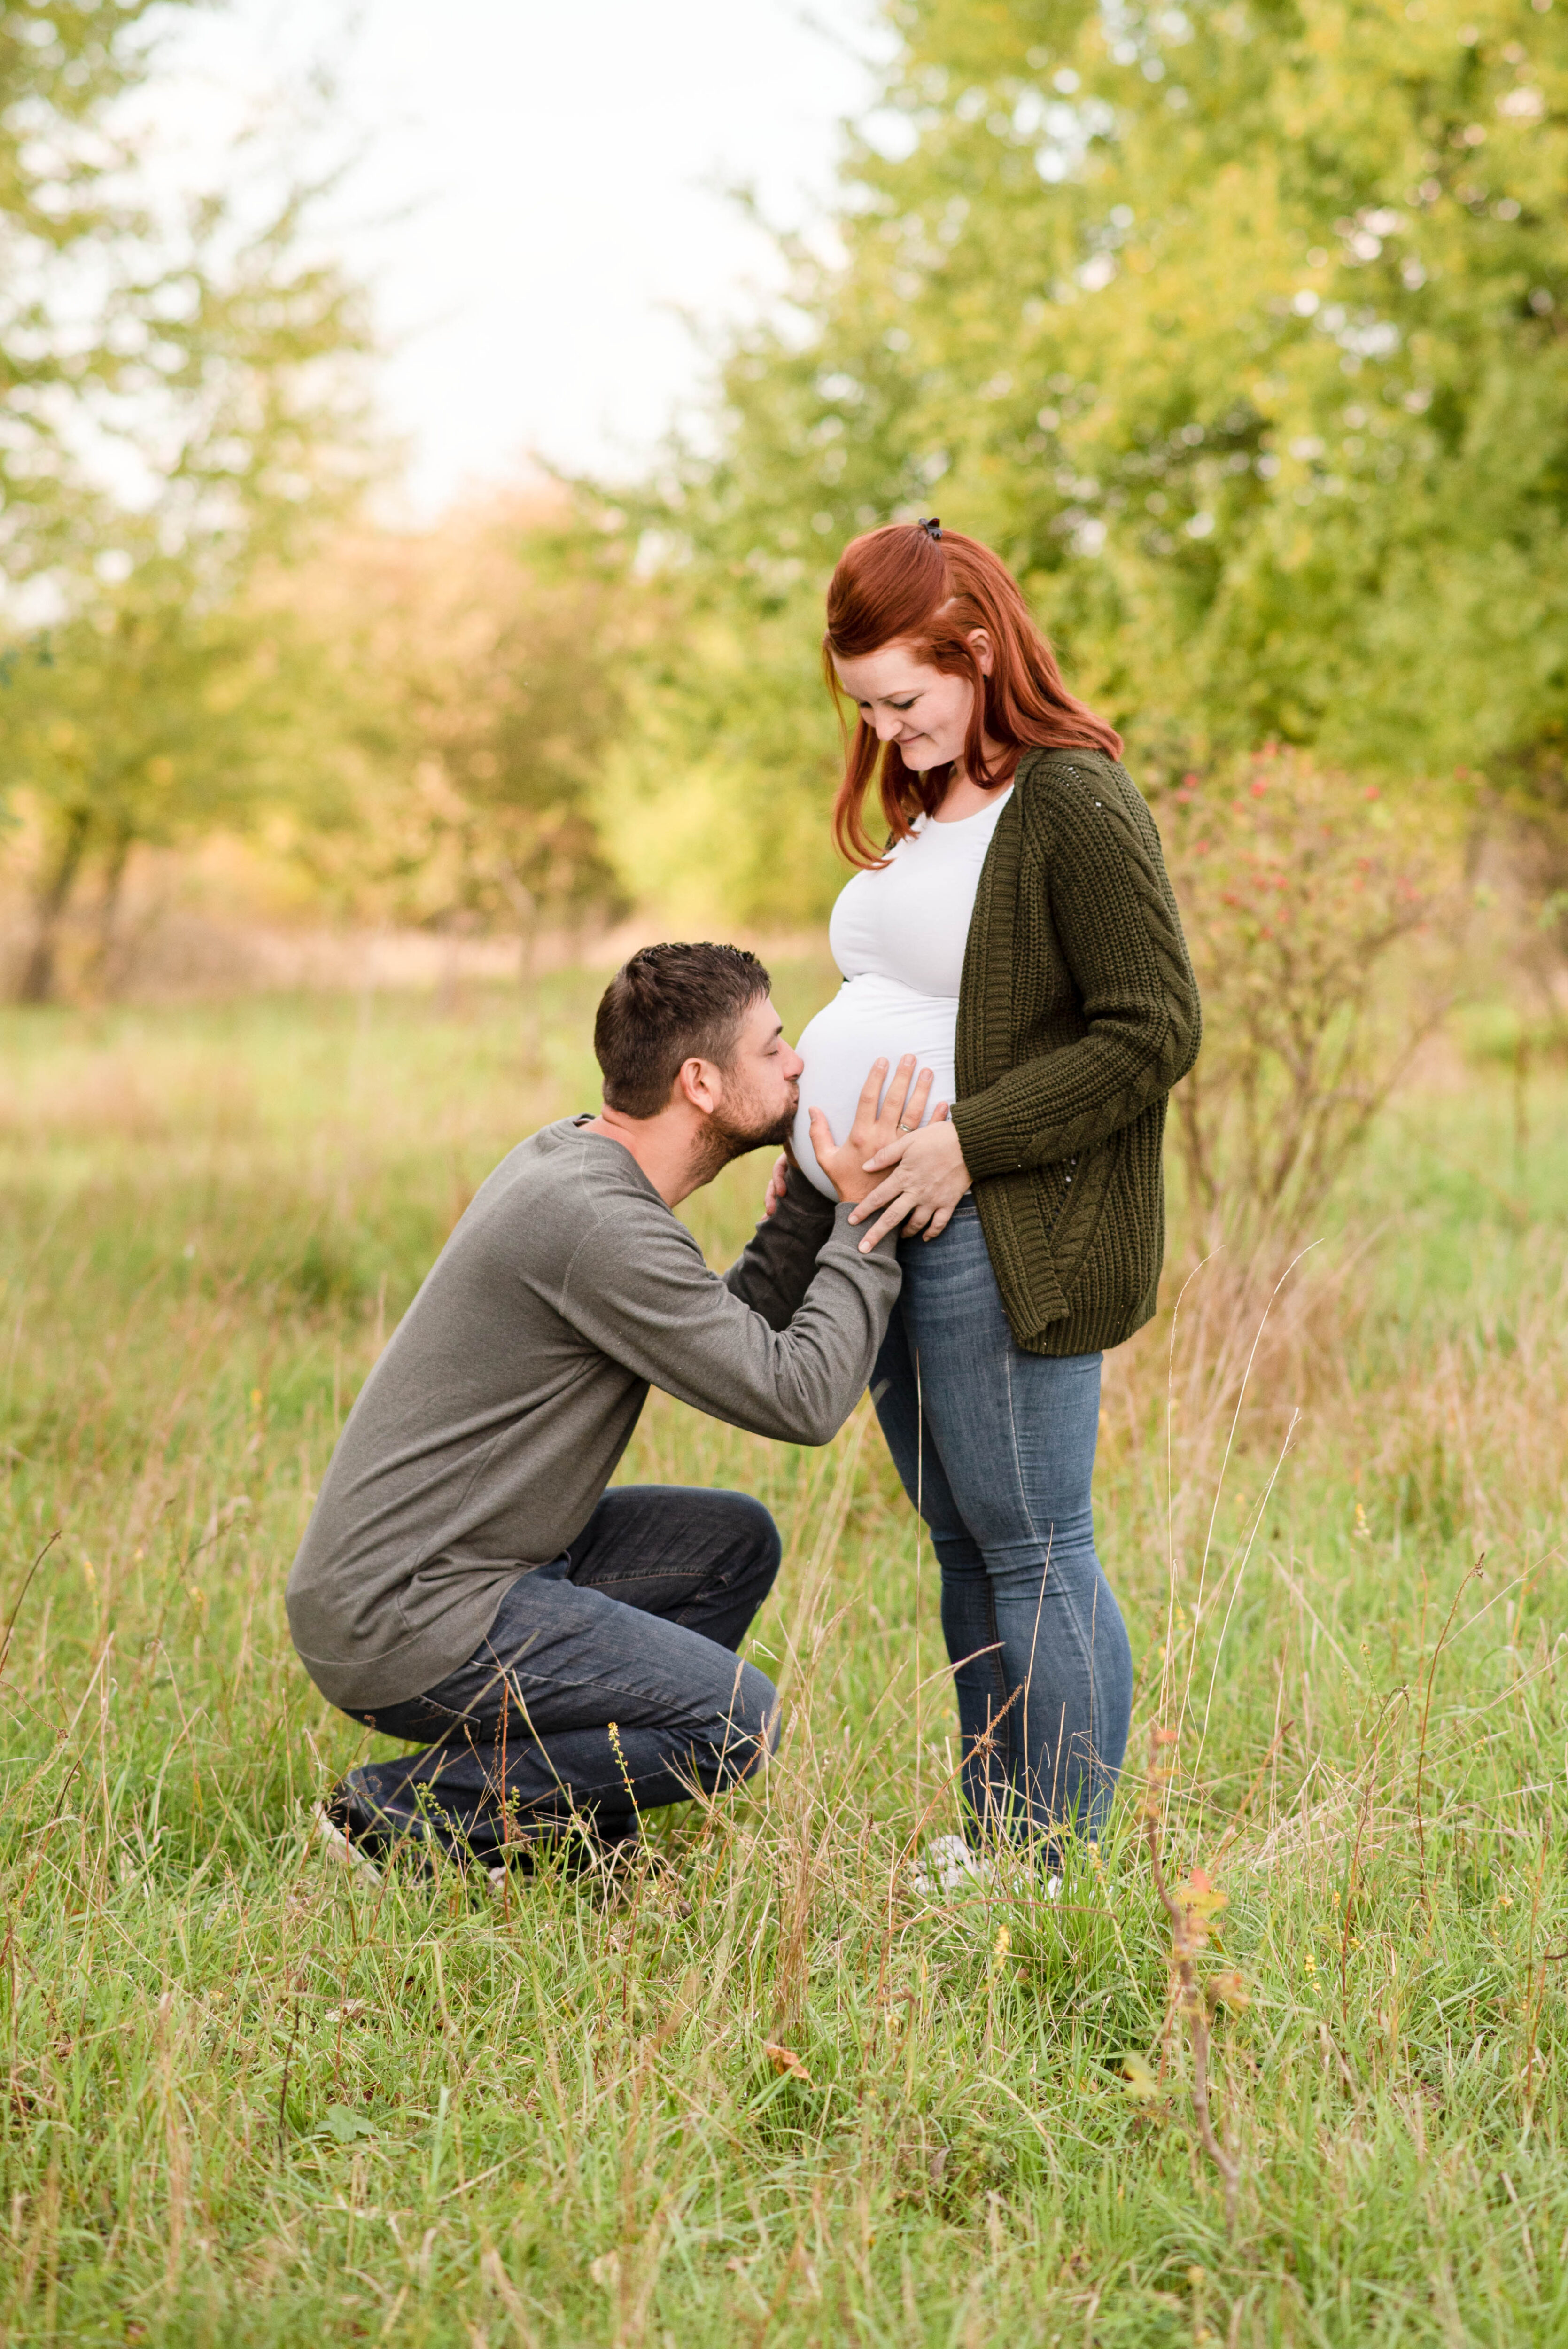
x=1024 y=1740
x=651 y=1574
x=1086 y=1650
x=474 y=1719
x=1062 y=1763
x=1007 y=1707
x=616 y=1689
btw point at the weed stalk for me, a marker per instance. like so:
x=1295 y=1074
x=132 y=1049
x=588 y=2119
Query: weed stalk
x=1191 y=1910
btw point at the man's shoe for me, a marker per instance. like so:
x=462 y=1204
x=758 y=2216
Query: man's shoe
x=364 y=1834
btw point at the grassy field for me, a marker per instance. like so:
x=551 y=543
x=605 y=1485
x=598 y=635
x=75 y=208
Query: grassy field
x=248 y=2102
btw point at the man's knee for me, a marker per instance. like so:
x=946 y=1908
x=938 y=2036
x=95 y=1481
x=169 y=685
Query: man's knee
x=752 y=1539
x=752 y=1727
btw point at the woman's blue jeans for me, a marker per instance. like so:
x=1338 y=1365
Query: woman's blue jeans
x=995 y=1449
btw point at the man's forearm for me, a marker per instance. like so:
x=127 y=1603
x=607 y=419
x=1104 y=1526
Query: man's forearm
x=639 y=1290
x=780 y=1258
x=806 y=1381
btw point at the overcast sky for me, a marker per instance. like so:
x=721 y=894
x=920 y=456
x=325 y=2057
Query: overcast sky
x=538 y=193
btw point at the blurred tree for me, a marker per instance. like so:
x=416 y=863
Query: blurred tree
x=148 y=718
x=1240 y=329
x=481 y=665
x=68 y=213
x=181 y=413
x=1302 y=891
x=716 y=792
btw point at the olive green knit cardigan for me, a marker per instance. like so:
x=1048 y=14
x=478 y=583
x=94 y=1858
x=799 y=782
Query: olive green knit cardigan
x=1077 y=1012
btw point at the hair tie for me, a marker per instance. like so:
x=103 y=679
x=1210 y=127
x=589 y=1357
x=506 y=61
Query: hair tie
x=932 y=528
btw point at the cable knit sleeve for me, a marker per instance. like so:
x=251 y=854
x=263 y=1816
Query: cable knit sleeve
x=1115 y=917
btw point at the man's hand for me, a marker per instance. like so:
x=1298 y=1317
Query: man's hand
x=776 y=1182
x=928 y=1179
x=873 y=1130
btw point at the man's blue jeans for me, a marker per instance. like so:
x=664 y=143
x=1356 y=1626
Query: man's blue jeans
x=995 y=1449
x=638 y=1624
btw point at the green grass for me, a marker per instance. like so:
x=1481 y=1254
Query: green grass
x=247 y=2102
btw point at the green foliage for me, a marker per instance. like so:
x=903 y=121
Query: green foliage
x=714 y=799
x=188 y=351
x=1240 y=330
x=478 y=676
x=69 y=218
x=202 y=363
x=246 y=2102
x=153 y=716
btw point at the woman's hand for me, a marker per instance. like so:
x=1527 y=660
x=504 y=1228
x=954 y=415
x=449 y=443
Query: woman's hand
x=848 y=1165
x=928 y=1179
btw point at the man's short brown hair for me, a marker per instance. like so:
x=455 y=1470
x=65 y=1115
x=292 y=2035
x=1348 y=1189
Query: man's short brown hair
x=668 y=1005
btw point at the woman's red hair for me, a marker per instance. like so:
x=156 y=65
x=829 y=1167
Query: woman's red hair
x=901 y=586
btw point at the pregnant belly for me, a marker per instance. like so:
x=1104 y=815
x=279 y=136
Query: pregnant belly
x=870 y=1018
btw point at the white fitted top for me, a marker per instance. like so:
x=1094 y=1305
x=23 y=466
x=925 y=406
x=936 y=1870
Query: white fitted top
x=898 y=936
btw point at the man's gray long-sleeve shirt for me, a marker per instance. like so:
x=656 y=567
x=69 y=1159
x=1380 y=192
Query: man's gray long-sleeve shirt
x=486 y=1434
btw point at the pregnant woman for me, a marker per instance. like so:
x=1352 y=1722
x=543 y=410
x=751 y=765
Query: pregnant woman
x=1018 y=935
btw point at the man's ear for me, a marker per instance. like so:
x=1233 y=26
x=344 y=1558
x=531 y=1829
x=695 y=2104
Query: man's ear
x=981 y=645
x=698 y=1084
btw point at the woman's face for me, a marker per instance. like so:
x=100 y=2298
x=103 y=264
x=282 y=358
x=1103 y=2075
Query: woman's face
x=923 y=711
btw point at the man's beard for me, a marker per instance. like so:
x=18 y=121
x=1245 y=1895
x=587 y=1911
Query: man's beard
x=727 y=1137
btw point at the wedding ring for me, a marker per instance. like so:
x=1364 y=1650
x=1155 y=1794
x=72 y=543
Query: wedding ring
x=906 y=1129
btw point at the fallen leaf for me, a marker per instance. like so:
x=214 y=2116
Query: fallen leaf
x=786 y=2063
x=346 y=2124
x=1141 y=2084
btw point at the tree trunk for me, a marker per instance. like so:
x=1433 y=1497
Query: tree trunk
x=38 y=977
x=525 y=912
x=106 y=977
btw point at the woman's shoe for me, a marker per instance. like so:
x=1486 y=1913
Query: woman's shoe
x=948 y=1865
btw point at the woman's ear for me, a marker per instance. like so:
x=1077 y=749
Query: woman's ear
x=983 y=652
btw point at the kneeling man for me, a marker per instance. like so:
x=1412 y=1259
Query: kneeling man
x=567 y=1655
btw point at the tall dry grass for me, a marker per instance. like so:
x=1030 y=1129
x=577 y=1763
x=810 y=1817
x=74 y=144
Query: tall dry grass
x=770 y=2095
